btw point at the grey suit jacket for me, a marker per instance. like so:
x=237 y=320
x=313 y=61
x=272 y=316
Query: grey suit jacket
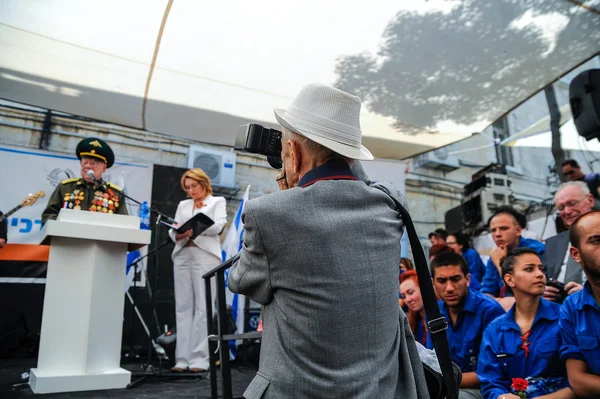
x=556 y=249
x=323 y=260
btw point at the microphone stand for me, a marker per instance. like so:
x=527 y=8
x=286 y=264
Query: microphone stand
x=150 y=293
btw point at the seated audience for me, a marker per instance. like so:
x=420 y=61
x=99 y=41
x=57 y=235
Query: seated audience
x=468 y=313
x=438 y=237
x=438 y=249
x=461 y=244
x=525 y=342
x=572 y=200
x=580 y=313
x=411 y=293
x=406 y=265
x=506 y=231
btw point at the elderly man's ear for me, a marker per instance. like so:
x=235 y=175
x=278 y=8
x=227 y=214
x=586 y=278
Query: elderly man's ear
x=296 y=154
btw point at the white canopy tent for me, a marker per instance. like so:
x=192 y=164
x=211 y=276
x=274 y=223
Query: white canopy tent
x=539 y=135
x=430 y=72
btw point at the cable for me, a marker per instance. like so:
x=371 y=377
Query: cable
x=583 y=141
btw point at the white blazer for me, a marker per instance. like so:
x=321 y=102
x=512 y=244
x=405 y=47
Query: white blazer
x=215 y=208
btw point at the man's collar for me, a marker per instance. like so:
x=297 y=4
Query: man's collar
x=468 y=304
x=334 y=169
x=587 y=297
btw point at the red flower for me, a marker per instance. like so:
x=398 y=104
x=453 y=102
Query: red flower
x=519 y=384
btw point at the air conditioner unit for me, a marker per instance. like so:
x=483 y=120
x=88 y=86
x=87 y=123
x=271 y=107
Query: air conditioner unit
x=219 y=165
x=438 y=160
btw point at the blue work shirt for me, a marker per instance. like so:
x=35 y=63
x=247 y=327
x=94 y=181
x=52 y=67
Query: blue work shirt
x=464 y=336
x=492 y=282
x=476 y=268
x=580 y=328
x=502 y=358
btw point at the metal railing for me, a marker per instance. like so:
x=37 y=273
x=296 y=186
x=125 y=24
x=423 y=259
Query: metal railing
x=219 y=340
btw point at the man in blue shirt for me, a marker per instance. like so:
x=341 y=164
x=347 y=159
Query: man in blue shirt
x=580 y=313
x=506 y=232
x=468 y=313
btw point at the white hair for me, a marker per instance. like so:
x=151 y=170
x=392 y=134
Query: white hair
x=582 y=186
x=313 y=147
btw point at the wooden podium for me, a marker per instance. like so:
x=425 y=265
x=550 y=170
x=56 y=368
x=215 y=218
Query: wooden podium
x=82 y=322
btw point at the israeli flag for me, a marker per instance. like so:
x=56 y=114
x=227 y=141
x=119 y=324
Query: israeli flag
x=231 y=246
x=132 y=257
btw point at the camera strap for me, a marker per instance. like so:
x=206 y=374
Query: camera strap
x=436 y=322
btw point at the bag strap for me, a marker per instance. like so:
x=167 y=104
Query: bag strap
x=437 y=324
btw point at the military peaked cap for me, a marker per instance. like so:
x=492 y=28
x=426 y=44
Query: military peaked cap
x=95 y=148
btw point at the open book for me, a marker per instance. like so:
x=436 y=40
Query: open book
x=198 y=223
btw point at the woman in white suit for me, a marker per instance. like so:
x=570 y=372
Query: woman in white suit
x=192 y=259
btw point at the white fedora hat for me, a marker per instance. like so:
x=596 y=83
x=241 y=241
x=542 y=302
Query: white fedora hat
x=329 y=117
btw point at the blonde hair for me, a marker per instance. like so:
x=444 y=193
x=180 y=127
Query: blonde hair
x=199 y=176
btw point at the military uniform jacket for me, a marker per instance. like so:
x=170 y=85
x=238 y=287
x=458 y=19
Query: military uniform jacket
x=78 y=194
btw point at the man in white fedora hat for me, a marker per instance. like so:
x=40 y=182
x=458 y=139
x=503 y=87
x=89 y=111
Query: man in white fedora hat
x=322 y=256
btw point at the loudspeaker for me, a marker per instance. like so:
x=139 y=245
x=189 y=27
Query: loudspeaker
x=584 y=97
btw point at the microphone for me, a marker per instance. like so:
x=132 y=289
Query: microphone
x=90 y=173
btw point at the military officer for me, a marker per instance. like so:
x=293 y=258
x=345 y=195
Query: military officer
x=82 y=193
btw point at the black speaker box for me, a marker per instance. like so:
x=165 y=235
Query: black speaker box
x=584 y=96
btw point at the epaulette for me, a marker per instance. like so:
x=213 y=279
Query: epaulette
x=71 y=180
x=114 y=186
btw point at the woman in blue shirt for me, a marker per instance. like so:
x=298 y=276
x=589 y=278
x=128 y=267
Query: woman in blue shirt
x=525 y=342
x=461 y=244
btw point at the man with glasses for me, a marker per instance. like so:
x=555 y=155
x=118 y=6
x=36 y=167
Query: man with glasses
x=572 y=200
x=572 y=172
x=84 y=193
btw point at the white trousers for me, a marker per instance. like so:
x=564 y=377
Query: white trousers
x=189 y=264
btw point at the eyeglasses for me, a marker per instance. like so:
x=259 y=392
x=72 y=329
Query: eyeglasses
x=571 y=203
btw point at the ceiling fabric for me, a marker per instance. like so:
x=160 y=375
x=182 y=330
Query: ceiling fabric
x=430 y=73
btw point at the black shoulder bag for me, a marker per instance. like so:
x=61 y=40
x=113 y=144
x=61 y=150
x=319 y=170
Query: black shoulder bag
x=443 y=385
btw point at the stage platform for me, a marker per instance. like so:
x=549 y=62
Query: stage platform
x=12 y=386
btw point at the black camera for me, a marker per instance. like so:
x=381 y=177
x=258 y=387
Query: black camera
x=258 y=139
x=558 y=285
